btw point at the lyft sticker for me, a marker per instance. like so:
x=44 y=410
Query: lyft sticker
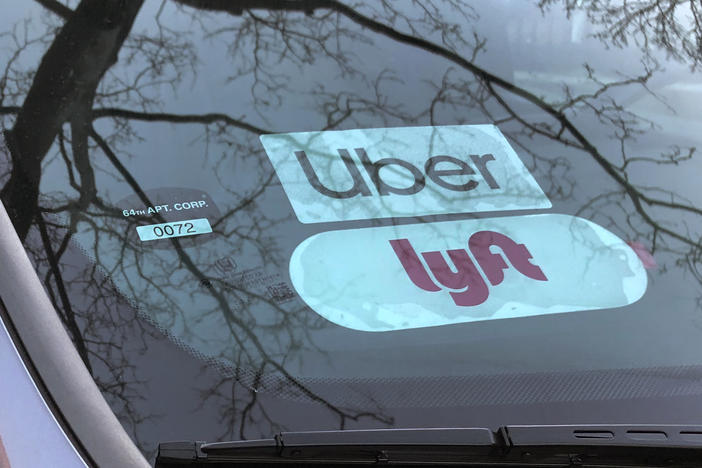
x=422 y=275
x=396 y=172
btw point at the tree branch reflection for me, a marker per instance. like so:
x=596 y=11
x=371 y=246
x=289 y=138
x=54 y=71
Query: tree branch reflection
x=91 y=121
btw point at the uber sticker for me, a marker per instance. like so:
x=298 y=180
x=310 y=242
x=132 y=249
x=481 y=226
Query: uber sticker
x=397 y=172
x=421 y=275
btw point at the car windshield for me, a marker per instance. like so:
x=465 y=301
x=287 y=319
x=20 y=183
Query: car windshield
x=312 y=215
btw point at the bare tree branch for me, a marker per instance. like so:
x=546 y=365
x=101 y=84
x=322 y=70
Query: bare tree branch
x=69 y=314
x=70 y=70
x=176 y=118
x=9 y=110
x=56 y=7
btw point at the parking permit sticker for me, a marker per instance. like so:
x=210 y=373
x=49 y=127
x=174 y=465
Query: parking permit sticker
x=399 y=172
x=187 y=227
x=171 y=212
x=422 y=275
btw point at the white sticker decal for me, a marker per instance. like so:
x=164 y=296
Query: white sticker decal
x=423 y=275
x=188 y=227
x=398 y=172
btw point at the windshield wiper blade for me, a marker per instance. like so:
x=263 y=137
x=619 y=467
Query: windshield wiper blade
x=583 y=445
x=349 y=446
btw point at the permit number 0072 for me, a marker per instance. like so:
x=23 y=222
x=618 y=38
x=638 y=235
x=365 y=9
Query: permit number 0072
x=189 y=227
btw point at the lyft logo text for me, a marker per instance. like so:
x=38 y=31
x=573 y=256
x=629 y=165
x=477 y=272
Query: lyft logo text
x=462 y=278
x=400 y=172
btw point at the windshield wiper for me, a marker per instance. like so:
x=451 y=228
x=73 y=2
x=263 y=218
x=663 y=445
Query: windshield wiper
x=568 y=445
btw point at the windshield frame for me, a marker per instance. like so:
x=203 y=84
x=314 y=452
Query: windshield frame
x=57 y=370
x=26 y=295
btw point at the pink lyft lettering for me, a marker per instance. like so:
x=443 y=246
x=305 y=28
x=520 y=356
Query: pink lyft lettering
x=466 y=274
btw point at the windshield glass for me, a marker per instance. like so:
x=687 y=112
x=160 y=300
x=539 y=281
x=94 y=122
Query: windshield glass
x=313 y=215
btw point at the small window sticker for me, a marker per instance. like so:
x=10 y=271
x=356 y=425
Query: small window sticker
x=422 y=275
x=159 y=214
x=401 y=172
x=186 y=227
